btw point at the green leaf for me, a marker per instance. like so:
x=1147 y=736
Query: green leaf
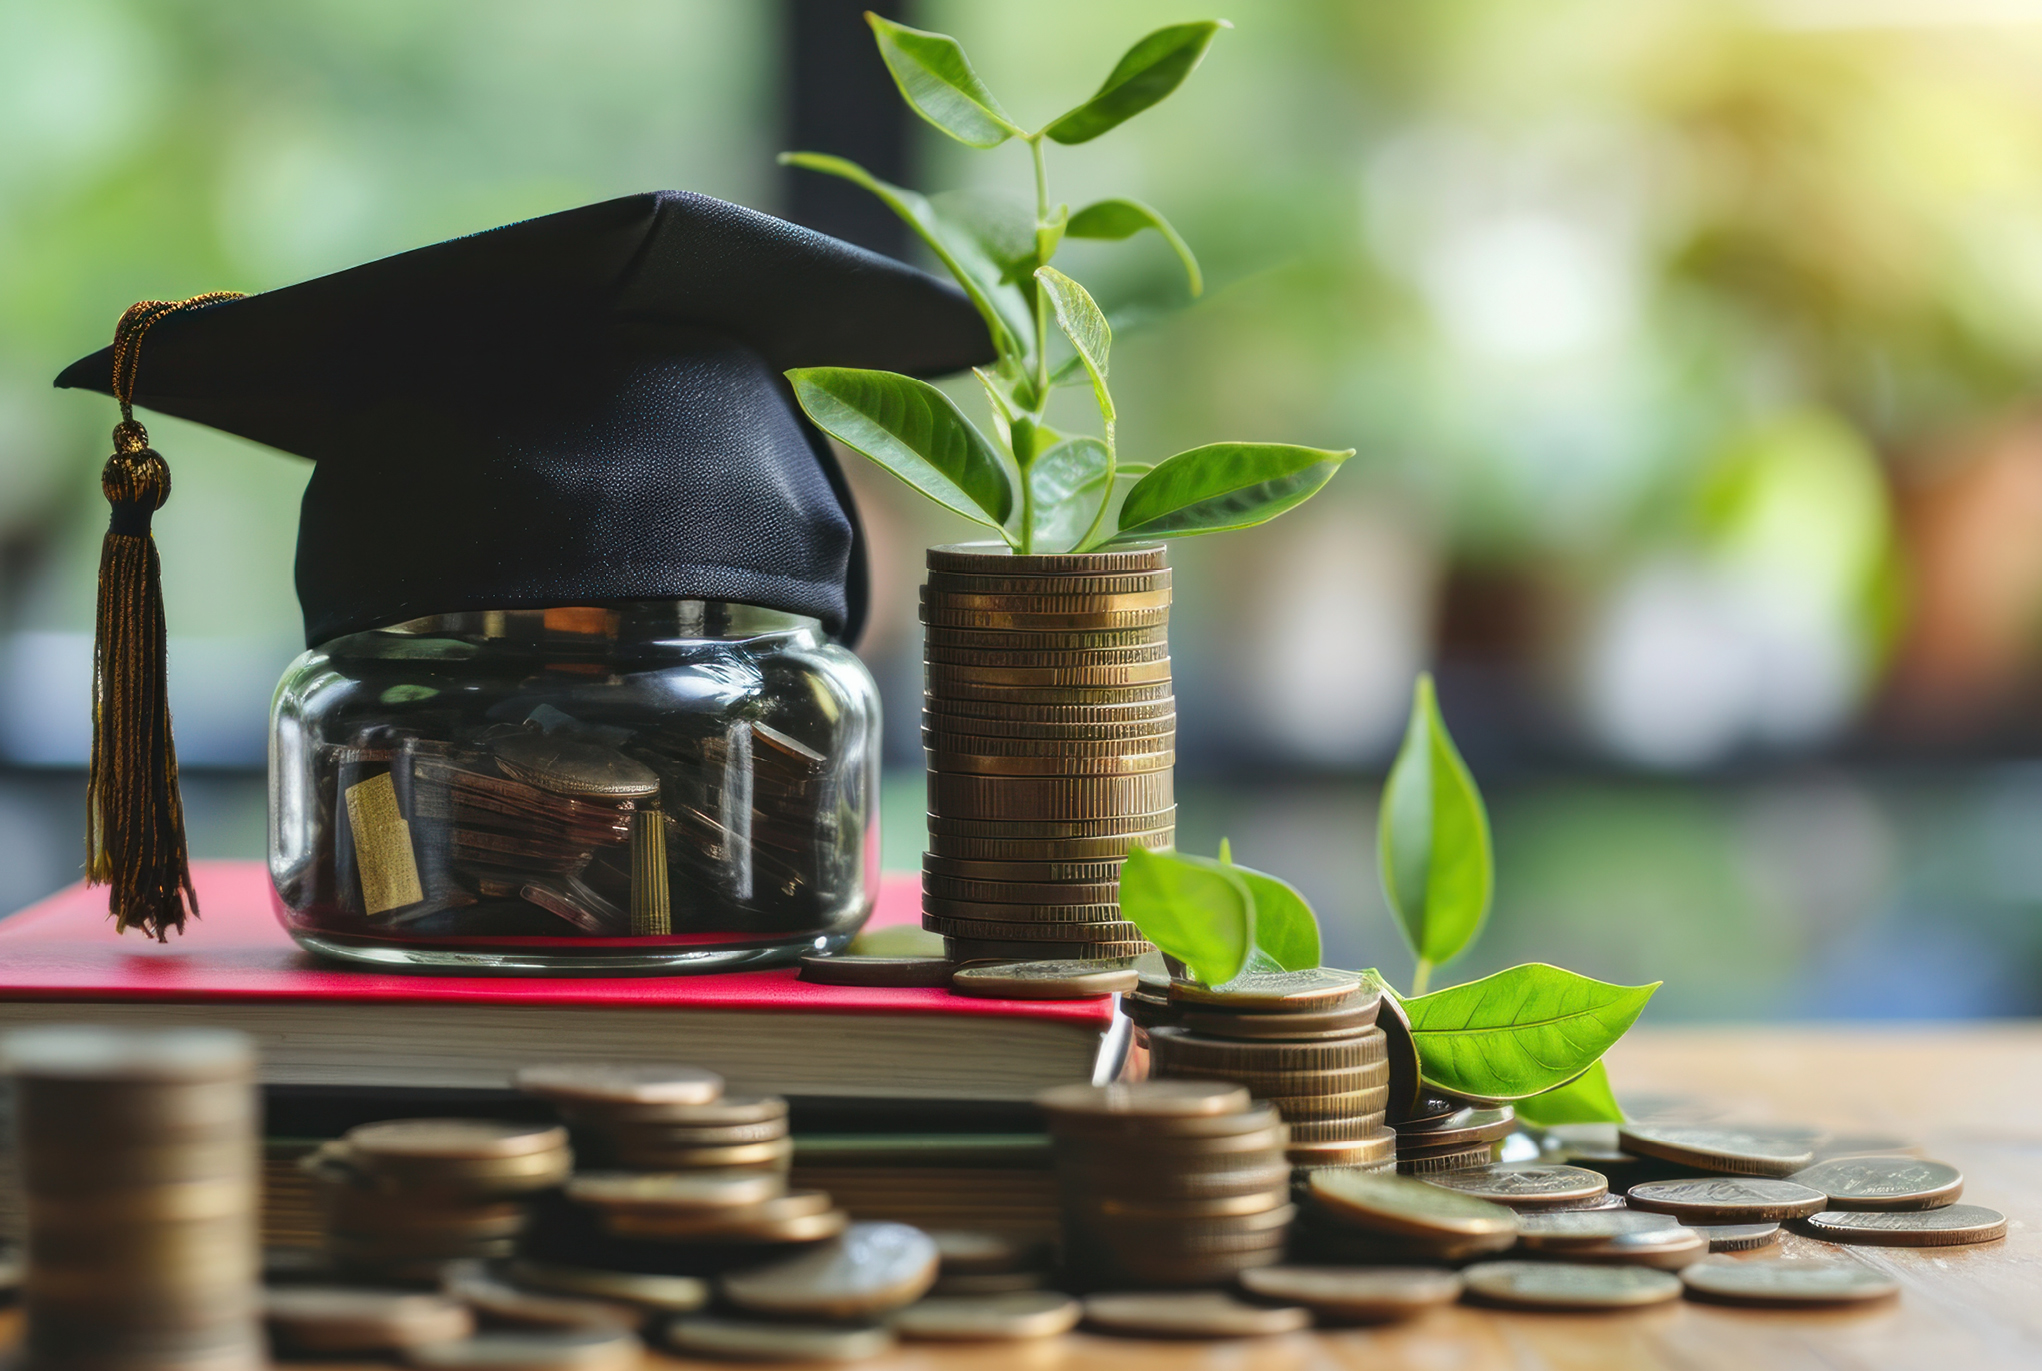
x=936 y=79
x=996 y=229
x=1521 y=1031
x=1116 y=219
x=914 y=431
x=1286 y=930
x=1585 y=1099
x=1433 y=838
x=1224 y=486
x=1081 y=320
x=1009 y=316
x=1149 y=71
x=1067 y=482
x=1192 y=909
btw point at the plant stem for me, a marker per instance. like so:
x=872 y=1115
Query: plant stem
x=1421 y=976
x=1041 y=301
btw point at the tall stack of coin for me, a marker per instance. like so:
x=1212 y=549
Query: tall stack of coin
x=1168 y=1183
x=1051 y=731
x=139 y=1156
x=406 y=1195
x=1305 y=1041
x=663 y=1118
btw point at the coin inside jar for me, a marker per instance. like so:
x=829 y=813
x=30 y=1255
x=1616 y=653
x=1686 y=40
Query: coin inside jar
x=673 y=1190
x=570 y=766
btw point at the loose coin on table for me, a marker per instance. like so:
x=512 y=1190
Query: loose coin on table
x=1568 y=1286
x=1728 y=1199
x=1558 y=1230
x=663 y=1294
x=1668 y=1249
x=988 y=1318
x=342 y=1321
x=1733 y=1151
x=1057 y=980
x=1737 y=1237
x=1787 y=1282
x=1883 y=1182
x=512 y=1304
x=978 y=1252
x=745 y=1340
x=850 y=969
x=1355 y=1294
x=1190 y=1314
x=1525 y=1187
x=1953 y=1225
x=550 y=1350
x=870 y=1269
x=1399 y=1205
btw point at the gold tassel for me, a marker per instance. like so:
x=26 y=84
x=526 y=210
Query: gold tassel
x=134 y=816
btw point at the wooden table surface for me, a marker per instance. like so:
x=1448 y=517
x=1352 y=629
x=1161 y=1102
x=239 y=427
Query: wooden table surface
x=1972 y=1094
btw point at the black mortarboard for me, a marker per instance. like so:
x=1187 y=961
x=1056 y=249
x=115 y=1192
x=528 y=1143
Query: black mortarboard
x=574 y=409
x=577 y=409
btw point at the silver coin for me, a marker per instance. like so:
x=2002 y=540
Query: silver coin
x=1738 y=1237
x=1586 y=1227
x=1728 y=1199
x=583 y=1349
x=1788 y=1282
x=743 y=1340
x=1953 y=1225
x=1525 y=1187
x=1355 y=1294
x=1736 y=1151
x=1883 y=1182
x=1568 y=1285
x=868 y=1270
x=1668 y=1249
x=989 y=1318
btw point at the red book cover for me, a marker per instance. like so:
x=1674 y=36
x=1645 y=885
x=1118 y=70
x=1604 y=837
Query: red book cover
x=65 y=948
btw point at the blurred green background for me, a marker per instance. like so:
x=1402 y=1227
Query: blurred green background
x=1689 y=349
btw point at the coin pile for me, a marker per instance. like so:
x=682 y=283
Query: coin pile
x=1051 y=731
x=1446 y=1133
x=1304 y=1041
x=405 y=1196
x=1168 y=1183
x=663 y=1118
x=138 y=1156
x=1354 y=1216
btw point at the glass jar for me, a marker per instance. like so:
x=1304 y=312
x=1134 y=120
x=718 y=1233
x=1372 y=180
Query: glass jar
x=657 y=786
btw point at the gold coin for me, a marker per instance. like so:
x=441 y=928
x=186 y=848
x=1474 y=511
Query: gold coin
x=1094 y=699
x=1131 y=583
x=962 y=950
x=1188 y=1054
x=686 y=1135
x=1020 y=892
x=941 y=677
x=1103 y=871
x=1191 y=1314
x=723 y=1339
x=1130 y=825
x=946 y=847
x=939 y=615
x=417 y=1140
x=989 y=558
x=1334 y=1104
x=1076 y=602
x=1149 y=749
x=1167 y=1211
x=726 y=1110
x=586 y=1083
x=953 y=641
x=942 y=654
x=1084 y=1131
x=655 y=1157
x=1291 y=1024
x=1044 y=912
x=1041 y=980
x=1118 y=763
x=1026 y=931
x=1340 y=1128
x=1144 y=1100
x=805 y=1212
x=1378 y=1146
x=988 y=1318
x=1275 y=991
x=1141 y=732
x=1038 y=798
x=1452 y=1159
x=336 y=1321
x=677 y=1191
x=661 y=1294
x=1407 y=1208
x=937 y=710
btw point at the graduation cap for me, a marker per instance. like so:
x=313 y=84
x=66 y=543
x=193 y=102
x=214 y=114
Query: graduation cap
x=577 y=409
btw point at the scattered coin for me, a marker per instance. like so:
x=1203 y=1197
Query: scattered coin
x=1525 y=1187
x=548 y=1350
x=870 y=1269
x=1669 y=1248
x=1459 y=1129
x=1586 y=1227
x=509 y=1304
x=1788 y=1282
x=988 y=1318
x=744 y=1340
x=1728 y=1199
x=337 y=1321
x=1398 y=1205
x=1951 y=1226
x=1060 y=980
x=1190 y=1314
x=1738 y=1237
x=847 y=969
x=1735 y=1151
x=665 y=1294
x=1883 y=1182
x=1567 y=1285
x=1355 y=1294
